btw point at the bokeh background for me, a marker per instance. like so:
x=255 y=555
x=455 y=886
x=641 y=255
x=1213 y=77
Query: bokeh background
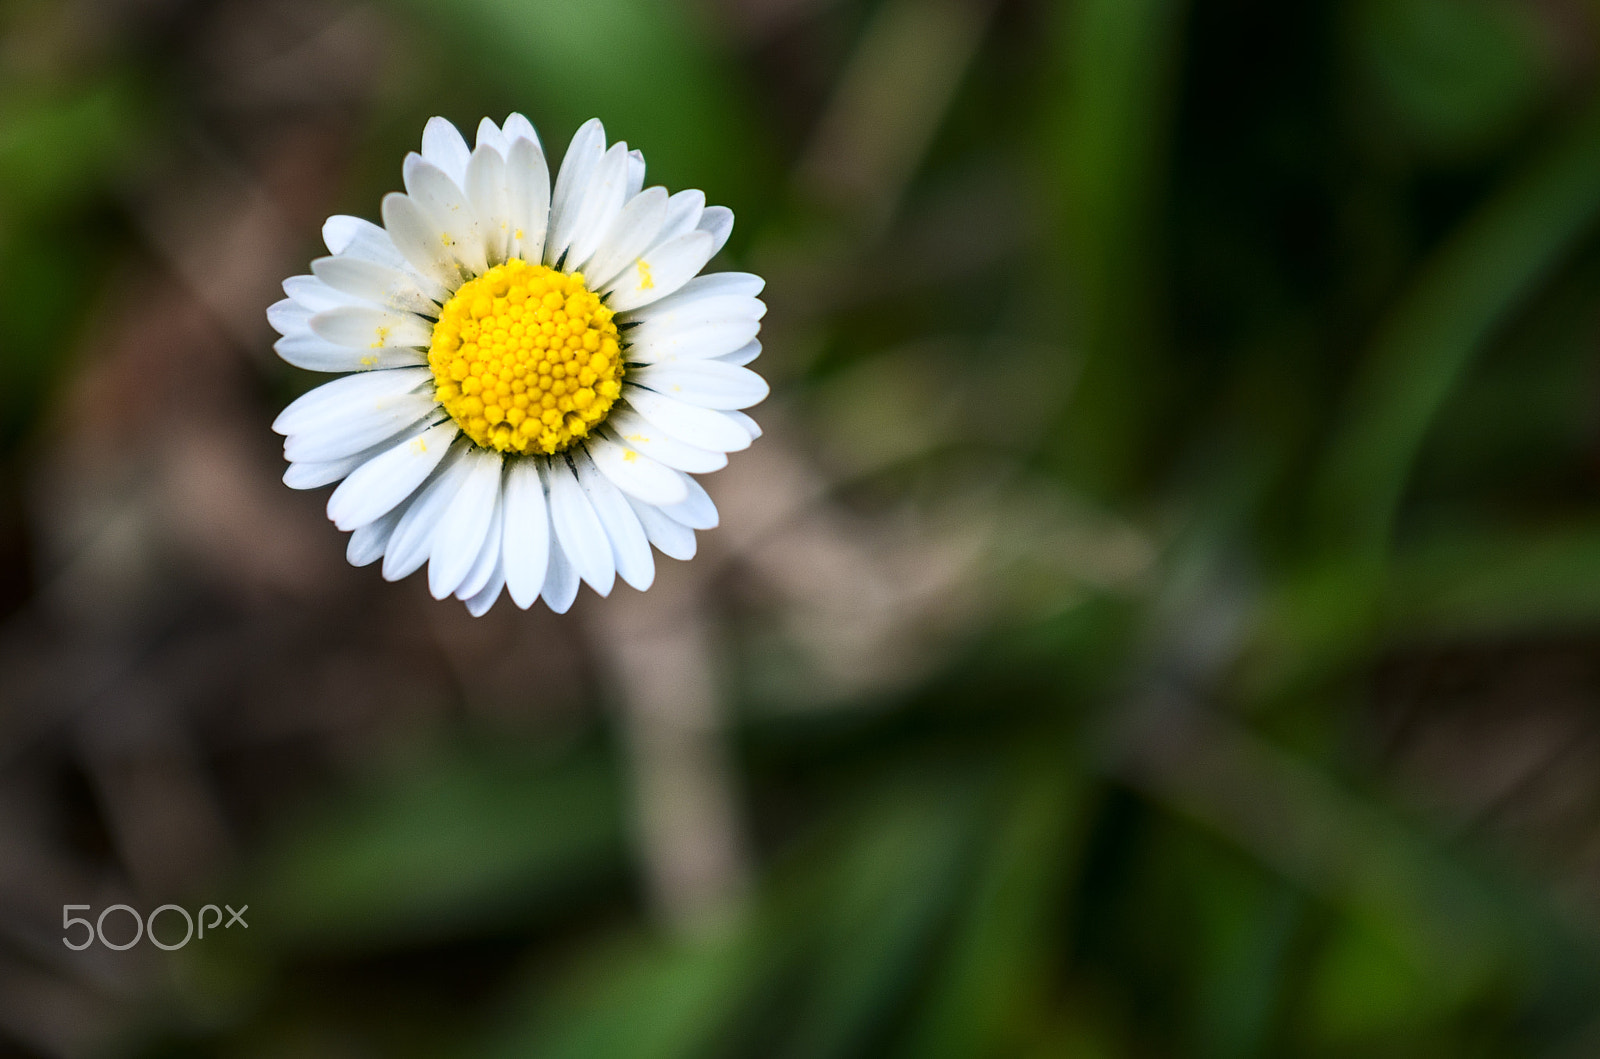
x=1161 y=619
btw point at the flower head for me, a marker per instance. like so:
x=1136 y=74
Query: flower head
x=530 y=373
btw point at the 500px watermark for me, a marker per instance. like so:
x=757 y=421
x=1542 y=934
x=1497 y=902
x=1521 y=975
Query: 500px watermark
x=145 y=926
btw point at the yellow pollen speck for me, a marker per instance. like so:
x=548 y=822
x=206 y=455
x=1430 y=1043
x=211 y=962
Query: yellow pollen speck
x=645 y=282
x=383 y=336
x=500 y=377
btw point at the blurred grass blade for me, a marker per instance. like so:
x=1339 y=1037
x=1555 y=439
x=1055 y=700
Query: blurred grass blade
x=852 y=929
x=1354 y=855
x=644 y=67
x=1497 y=584
x=890 y=103
x=1472 y=286
x=464 y=841
x=1455 y=74
x=992 y=983
x=879 y=914
x=1108 y=108
x=646 y=1000
x=59 y=151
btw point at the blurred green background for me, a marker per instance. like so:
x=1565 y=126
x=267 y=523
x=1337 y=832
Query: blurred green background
x=1161 y=619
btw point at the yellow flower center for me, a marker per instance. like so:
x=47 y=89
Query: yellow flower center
x=526 y=359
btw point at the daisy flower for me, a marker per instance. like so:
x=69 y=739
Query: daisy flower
x=530 y=373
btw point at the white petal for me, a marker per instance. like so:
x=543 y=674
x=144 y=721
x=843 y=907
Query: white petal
x=479 y=604
x=660 y=271
x=635 y=474
x=710 y=285
x=392 y=288
x=317 y=475
x=701 y=427
x=312 y=293
x=718 y=220
x=519 y=127
x=683 y=213
x=695 y=306
x=635 y=172
x=314 y=474
x=444 y=201
x=416 y=237
x=527 y=532
x=289 y=317
x=368 y=543
x=749 y=425
x=583 y=157
x=708 y=384
x=332 y=399
x=743 y=355
x=361 y=411
x=489 y=135
x=413 y=537
x=442 y=145
x=697 y=512
x=486 y=187
x=634 y=230
x=360 y=238
x=489 y=563
x=528 y=193
x=560 y=580
x=689 y=340
x=576 y=234
x=341 y=230
x=577 y=527
x=630 y=428
x=363 y=327
x=671 y=537
x=379 y=484
x=630 y=548
x=362 y=429
x=462 y=531
x=318 y=354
